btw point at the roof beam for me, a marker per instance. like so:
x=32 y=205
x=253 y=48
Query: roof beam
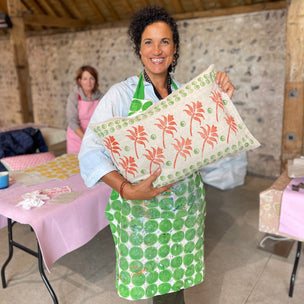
x=3 y=6
x=127 y=6
x=66 y=10
x=178 y=6
x=76 y=10
x=198 y=5
x=161 y=3
x=96 y=10
x=224 y=3
x=52 y=21
x=233 y=10
x=47 y=7
x=27 y=8
x=111 y=9
x=145 y=2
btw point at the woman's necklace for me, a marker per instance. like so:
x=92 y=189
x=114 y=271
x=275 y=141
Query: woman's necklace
x=147 y=78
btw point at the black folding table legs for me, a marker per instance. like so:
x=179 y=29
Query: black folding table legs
x=38 y=254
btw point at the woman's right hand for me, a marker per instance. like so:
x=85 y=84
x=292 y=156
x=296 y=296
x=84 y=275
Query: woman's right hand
x=144 y=190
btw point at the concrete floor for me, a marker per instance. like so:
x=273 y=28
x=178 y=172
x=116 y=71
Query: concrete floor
x=237 y=272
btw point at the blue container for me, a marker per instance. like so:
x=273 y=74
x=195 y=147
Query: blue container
x=3 y=180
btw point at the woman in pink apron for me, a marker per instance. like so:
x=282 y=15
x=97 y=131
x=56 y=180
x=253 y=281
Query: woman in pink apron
x=81 y=104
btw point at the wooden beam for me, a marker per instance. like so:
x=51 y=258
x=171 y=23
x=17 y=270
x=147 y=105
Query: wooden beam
x=18 y=41
x=293 y=119
x=3 y=6
x=47 y=7
x=233 y=10
x=65 y=9
x=127 y=6
x=27 y=8
x=145 y=2
x=76 y=10
x=178 y=6
x=37 y=8
x=50 y=21
x=96 y=10
x=111 y=9
x=198 y=5
x=224 y=3
x=161 y=3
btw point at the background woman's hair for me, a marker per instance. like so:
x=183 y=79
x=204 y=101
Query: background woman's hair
x=91 y=70
x=146 y=16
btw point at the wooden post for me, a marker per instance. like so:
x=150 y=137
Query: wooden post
x=293 y=120
x=18 y=41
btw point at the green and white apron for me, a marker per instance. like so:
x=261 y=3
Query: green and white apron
x=159 y=243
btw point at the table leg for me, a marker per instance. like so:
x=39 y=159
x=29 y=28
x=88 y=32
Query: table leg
x=44 y=278
x=11 y=251
x=11 y=245
x=294 y=271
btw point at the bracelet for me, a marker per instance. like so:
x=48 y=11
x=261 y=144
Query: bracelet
x=122 y=187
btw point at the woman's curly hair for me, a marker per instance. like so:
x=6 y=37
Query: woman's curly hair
x=146 y=16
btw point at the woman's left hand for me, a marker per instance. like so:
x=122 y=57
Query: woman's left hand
x=224 y=83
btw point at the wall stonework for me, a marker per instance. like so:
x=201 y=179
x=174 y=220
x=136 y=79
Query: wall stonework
x=249 y=47
x=9 y=98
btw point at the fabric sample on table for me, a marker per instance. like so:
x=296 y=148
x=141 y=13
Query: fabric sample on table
x=25 y=161
x=194 y=126
x=59 y=168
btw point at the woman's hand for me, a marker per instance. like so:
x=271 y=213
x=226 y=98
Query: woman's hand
x=224 y=83
x=144 y=190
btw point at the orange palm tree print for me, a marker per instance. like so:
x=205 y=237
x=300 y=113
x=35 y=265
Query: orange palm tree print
x=217 y=98
x=232 y=125
x=138 y=135
x=195 y=112
x=209 y=136
x=155 y=157
x=167 y=125
x=112 y=145
x=183 y=148
x=129 y=165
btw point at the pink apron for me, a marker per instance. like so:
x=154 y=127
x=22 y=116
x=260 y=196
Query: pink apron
x=85 y=112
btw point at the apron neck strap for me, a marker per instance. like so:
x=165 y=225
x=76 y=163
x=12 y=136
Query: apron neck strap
x=140 y=90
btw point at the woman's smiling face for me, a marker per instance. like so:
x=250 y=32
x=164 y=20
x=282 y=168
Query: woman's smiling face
x=157 y=48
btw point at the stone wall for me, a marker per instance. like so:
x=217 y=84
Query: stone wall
x=249 y=47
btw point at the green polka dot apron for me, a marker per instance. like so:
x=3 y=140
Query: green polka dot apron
x=159 y=243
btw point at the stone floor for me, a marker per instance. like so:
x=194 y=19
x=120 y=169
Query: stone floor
x=237 y=271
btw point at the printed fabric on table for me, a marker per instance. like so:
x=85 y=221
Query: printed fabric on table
x=60 y=168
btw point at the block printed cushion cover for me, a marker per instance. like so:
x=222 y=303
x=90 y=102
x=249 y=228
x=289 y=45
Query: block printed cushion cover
x=194 y=126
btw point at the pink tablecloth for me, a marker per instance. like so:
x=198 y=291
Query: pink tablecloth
x=60 y=227
x=292 y=210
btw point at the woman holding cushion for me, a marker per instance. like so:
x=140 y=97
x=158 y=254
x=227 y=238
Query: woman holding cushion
x=158 y=232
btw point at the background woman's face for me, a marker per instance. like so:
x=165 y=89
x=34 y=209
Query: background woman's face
x=87 y=82
x=157 y=48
